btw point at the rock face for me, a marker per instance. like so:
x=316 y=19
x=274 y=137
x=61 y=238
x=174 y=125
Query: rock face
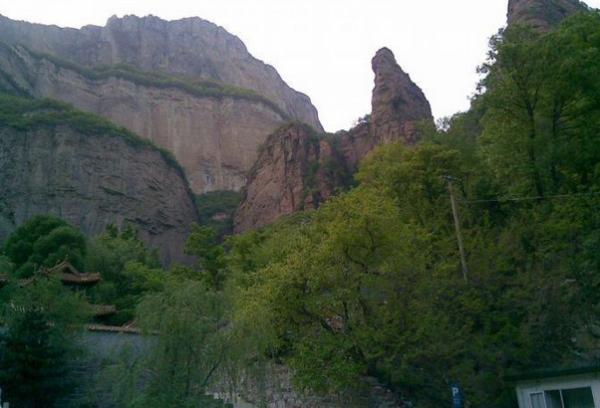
x=190 y=47
x=298 y=169
x=215 y=137
x=398 y=105
x=277 y=390
x=92 y=180
x=542 y=14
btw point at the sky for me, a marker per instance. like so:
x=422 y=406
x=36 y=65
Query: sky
x=323 y=48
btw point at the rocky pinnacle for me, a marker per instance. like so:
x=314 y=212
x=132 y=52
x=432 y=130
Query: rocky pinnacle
x=398 y=104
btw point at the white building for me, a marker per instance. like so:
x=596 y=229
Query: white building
x=572 y=388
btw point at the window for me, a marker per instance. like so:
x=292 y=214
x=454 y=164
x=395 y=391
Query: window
x=578 y=398
x=537 y=400
x=554 y=399
x=566 y=398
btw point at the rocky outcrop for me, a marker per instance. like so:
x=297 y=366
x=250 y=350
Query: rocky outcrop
x=190 y=47
x=398 y=105
x=58 y=161
x=542 y=14
x=213 y=132
x=298 y=169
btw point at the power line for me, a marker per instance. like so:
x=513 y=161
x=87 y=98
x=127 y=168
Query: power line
x=533 y=198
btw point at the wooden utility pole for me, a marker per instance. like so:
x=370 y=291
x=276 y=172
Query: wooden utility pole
x=461 y=248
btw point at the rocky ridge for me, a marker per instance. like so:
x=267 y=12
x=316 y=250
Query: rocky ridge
x=54 y=160
x=190 y=47
x=298 y=169
x=214 y=132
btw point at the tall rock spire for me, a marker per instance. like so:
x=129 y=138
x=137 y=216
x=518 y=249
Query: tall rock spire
x=398 y=104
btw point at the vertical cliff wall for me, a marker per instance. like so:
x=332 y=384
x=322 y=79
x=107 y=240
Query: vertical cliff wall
x=214 y=132
x=54 y=160
x=189 y=47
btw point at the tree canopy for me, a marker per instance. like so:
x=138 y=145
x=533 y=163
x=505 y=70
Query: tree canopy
x=44 y=241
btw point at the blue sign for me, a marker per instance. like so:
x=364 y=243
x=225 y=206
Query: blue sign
x=457 y=396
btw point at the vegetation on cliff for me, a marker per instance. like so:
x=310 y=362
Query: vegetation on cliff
x=24 y=114
x=216 y=209
x=198 y=88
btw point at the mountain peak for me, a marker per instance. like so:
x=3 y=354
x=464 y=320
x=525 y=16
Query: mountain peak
x=397 y=103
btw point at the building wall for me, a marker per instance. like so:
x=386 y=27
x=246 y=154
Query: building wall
x=526 y=388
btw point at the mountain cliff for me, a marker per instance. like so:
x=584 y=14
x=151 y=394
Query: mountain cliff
x=298 y=169
x=190 y=47
x=213 y=130
x=87 y=171
x=542 y=14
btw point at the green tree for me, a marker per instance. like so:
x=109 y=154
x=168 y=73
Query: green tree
x=39 y=349
x=203 y=244
x=44 y=241
x=541 y=124
x=187 y=343
x=6 y=266
x=128 y=269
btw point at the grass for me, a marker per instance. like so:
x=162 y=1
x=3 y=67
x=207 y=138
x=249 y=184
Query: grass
x=25 y=114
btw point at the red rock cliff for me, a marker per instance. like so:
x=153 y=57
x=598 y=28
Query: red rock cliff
x=298 y=169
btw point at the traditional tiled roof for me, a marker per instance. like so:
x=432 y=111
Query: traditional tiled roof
x=70 y=275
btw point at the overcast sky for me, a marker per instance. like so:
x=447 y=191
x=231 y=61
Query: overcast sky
x=324 y=47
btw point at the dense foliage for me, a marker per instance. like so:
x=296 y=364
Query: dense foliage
x=129 y=269
x=371 y=284
x=186 y=346
x=38 y=351
x=182 y=313
x=43 y=242
x=216 y=210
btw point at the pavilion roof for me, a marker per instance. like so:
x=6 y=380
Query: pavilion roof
x=69 y=274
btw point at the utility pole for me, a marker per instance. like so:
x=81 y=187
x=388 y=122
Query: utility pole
x=461 y=248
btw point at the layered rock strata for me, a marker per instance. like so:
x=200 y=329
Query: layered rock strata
x=190 y=47
x=213 y=132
